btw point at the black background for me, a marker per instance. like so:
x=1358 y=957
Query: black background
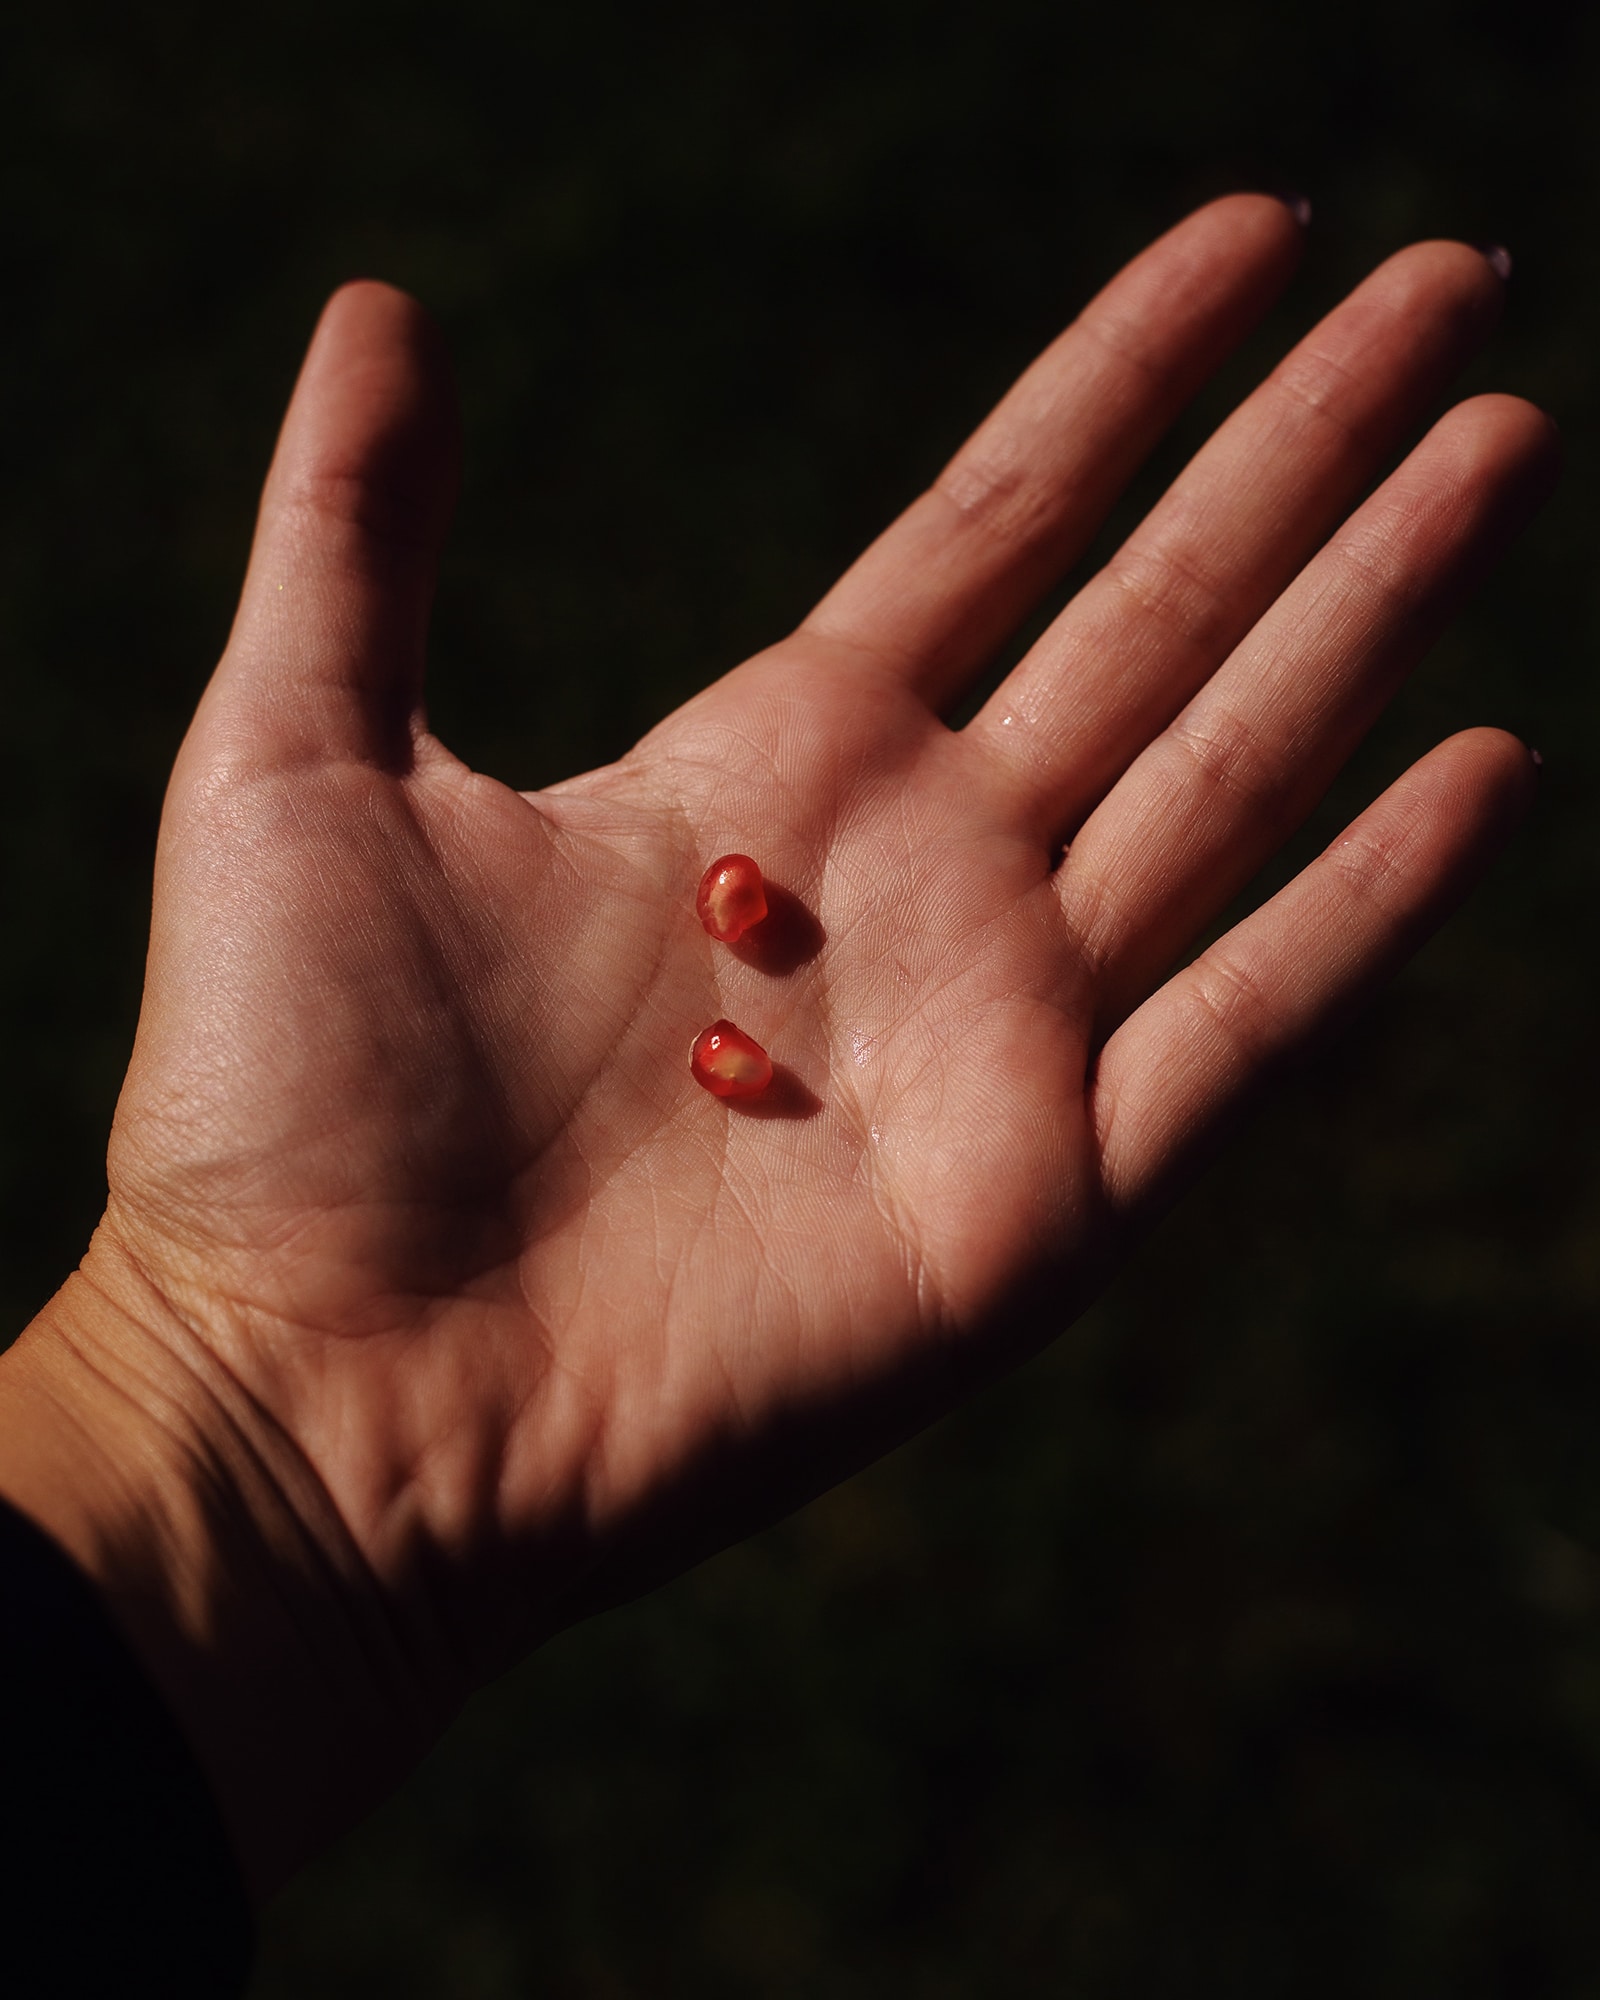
x=1249 y=1643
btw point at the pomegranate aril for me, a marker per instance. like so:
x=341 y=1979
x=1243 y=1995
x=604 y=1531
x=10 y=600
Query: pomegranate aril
x=732 y=897
x=726 y=1062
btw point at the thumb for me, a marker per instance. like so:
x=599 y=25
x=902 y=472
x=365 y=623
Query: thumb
x=326 y=655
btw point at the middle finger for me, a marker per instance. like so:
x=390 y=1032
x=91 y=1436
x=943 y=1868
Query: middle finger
x=1231 y=532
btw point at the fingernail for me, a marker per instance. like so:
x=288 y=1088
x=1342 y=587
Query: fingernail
x=1498 y=258
x=1298 y=205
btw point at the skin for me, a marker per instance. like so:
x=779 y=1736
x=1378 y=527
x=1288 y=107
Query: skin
x=434 y=1304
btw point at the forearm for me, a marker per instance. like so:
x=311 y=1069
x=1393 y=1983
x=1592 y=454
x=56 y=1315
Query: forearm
x=116 y=1875
x=215 y=1555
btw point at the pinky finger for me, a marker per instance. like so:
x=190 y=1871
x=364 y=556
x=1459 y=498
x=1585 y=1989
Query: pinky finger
x=1195 y=1053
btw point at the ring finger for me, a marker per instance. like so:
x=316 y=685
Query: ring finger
x=1212 y=797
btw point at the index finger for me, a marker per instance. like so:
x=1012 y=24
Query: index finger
x=942 y=587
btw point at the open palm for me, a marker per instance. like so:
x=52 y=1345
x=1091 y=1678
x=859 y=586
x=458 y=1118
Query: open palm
x=410 y=1149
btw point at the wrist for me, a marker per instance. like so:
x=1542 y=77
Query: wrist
x=125 y=1436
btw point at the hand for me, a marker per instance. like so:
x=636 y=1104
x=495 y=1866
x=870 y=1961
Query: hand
x=434 y=1303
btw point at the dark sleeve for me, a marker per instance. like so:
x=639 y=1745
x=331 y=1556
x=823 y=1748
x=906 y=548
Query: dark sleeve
x=116 y=1877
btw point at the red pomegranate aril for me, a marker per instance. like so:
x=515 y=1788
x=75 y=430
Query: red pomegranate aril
x=726 y=1062
x=732 y=897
